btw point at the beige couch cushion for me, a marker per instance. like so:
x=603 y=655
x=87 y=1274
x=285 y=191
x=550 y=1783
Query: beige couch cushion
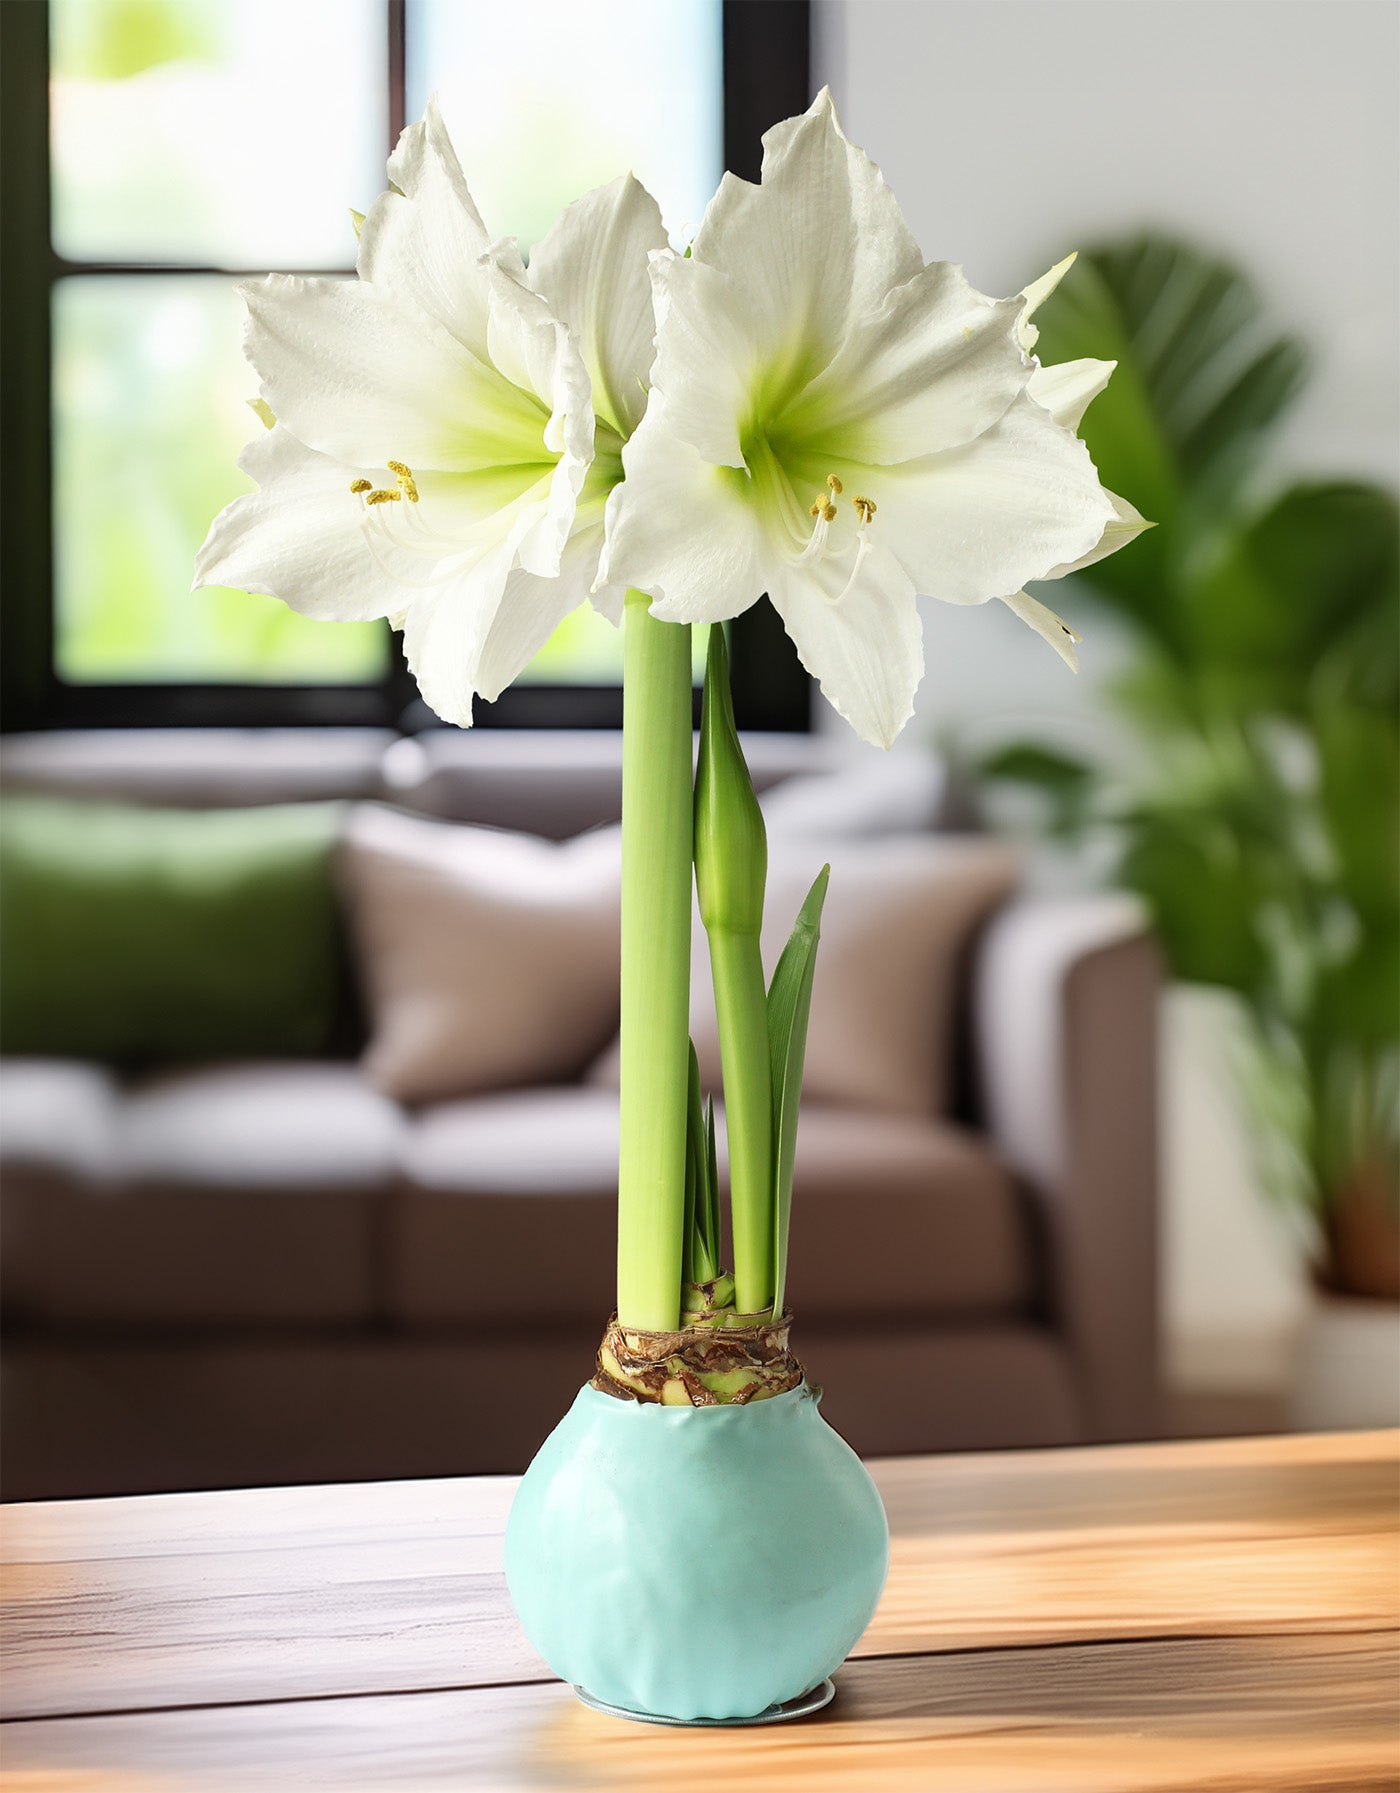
x=509 y=1203
x=900 y=915
x=487 y=959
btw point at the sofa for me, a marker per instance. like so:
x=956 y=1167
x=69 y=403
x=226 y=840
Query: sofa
x=269 y=1270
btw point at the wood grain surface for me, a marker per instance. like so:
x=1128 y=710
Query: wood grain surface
x=1211 y=1615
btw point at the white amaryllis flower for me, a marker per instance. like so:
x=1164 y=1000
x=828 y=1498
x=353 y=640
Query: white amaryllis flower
x=839 y=425
x=449 y=426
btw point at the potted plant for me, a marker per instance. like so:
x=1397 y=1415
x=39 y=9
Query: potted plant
x=1259 y=820
x=796 y=405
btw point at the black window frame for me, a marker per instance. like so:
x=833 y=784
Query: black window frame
x=766 y=76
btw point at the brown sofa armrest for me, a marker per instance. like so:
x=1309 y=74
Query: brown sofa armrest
x=1065 y=1036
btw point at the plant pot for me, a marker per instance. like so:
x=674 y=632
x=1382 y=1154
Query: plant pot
x=1363 y=1237
x=695 y=1563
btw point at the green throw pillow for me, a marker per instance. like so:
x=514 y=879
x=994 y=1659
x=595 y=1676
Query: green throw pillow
x=135 y=934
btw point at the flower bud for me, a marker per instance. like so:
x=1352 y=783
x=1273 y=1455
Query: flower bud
x=731 y=842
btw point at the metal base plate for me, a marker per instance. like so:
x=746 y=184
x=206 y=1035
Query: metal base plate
x=771 y=1715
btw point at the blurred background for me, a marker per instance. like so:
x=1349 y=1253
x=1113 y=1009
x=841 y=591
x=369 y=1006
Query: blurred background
x=1156 y=1190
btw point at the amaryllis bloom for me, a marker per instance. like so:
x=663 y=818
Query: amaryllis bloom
x=447 y=427
x=839 y=425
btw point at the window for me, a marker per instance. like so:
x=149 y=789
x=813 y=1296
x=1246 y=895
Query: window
x=246 y=132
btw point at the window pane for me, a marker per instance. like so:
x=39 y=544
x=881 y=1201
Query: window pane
x=547 y=98
x=237 y=133
x=149 y=419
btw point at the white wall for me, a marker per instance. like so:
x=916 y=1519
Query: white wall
x=1013 y=130
x=1269 y=131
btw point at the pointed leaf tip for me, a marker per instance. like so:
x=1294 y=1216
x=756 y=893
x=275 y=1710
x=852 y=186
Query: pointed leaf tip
x=789 y=1010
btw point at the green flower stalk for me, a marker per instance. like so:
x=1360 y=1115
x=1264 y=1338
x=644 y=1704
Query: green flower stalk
x=655 y=1083
x=731 y=869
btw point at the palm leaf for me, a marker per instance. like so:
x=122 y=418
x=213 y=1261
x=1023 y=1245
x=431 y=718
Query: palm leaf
x=1200 y=376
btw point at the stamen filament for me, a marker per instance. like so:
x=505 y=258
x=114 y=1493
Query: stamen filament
x=862 y=549
x=441 y=568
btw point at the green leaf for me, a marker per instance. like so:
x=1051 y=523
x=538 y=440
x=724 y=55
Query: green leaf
x=1200 y=376
x=789 y=1008
x=1359 y=760
x=693 y=1158
x=1204 y=900
x=711 y=1183
x=1302 y=594
x=700 y=1261
x=1219 y=438
x=1027 y=763
x=1066 y=784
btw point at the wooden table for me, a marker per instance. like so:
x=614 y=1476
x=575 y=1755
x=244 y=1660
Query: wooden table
x=1187 y=1616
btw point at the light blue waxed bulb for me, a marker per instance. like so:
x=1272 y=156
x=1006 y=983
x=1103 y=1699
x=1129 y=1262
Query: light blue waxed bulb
x=696 y=1562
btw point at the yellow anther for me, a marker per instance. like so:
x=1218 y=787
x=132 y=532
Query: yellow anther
x=829 y=512
x=408 y=486
x=361 y=485
x=865 y=508
x=383 y=496
x=834 y=483
x=816 y=508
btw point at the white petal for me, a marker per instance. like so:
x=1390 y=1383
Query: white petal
x=683 y=530
x=991 y=516
x=608 y=600
x=364 y=378
x=424 y=153
x=530 y=610
x=300 y=537
x=934 y=367
x=592 y=268
x=1125 y=524
x=442 y=637
x=423 y=242
x=459 y=521
x=822 y=240
x=707 y=367
x=1067 y=389
x=1035 y=295
x=532 y=348
x=448 y=629
x=1047 y=625
x=866 y=648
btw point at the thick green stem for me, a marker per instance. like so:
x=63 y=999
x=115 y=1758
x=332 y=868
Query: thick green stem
x=656 y=851
x=741 y=1005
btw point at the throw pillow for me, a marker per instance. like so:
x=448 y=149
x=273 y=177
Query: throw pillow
x=880 y=793
x=132 y=934
x=900 y=916
x=487 y=959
